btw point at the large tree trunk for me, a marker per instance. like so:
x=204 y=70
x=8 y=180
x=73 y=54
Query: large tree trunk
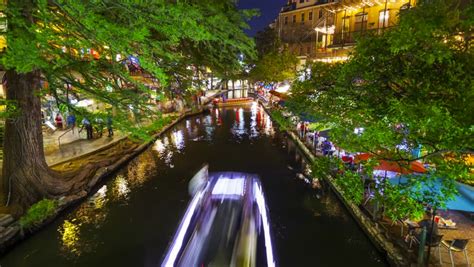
x=26 y=176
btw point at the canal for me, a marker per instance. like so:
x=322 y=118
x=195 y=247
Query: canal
x=132 y=216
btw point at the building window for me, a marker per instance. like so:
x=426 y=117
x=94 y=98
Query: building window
x=383 y=18
x=361 y=21
x=302 y=17
x=310 y=15
x=320 y=13
x=345 y=24
x=286 y=20
x=308 y=50
x=294 y=18
x=301 y=51
x=301 y=1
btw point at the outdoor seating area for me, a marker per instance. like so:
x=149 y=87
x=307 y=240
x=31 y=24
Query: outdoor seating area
x=448 y=241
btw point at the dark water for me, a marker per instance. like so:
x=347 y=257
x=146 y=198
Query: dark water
x=130 y=220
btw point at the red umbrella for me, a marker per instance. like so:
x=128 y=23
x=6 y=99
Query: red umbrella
x=393 y=166
x=403 y=168
x=361 y=157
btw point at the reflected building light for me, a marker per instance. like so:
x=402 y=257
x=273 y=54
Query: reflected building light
x=100 y=197
x=242 y=119
x=70 y=237
x=188 y=126
x=266 y=224
x=121 y=186
x=268 y=126
x=160 y=147
x=178 y=139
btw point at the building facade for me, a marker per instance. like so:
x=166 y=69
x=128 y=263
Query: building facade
x=305 y=26
x=326 y=30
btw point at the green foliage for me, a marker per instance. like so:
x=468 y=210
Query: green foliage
x=283 y=122
x=39 y=212
x=352 y=185
x=410 y=85
x=275 y=66
x=167 y=38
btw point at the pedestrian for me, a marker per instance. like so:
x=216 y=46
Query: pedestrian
x=59 y=121
x=71 y=121
x=88 y=125
x=302 y=127
x=109 y=126
x=100 y=126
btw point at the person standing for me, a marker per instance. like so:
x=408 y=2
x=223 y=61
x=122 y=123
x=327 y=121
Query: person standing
x=71 y=121
x=109 y=126
x=88 y=125
x=100 y=126
x=59 y=121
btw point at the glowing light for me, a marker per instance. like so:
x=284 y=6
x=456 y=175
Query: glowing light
x=178 y=139
x=160 y=147
x=183 y=227
x=266 y=224
x=70 y=237
x=226 y=186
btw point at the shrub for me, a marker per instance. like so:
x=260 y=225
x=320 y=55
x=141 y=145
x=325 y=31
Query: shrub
x=39 y=212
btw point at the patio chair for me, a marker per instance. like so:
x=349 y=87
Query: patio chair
x=435 y=242
x=457 y=245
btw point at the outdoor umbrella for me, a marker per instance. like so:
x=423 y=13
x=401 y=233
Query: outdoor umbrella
x=392 y=168
x=463 y=201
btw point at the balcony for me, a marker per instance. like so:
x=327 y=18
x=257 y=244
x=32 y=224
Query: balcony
x=347 y=39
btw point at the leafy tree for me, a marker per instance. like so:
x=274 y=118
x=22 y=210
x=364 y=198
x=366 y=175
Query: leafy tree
x=275 y=66
x=47 y=42
x=408 y=87
x=275 y=63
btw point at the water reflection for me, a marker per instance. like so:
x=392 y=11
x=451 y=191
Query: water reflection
x=142 y=204
x=142 y=169
x=120 y=189
x=238 y=128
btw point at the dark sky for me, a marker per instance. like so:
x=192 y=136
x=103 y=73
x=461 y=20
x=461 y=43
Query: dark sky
x=268 y=8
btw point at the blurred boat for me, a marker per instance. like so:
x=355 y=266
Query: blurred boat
x=226 y=224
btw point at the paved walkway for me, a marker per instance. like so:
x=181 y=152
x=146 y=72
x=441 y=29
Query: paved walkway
x=72 y=144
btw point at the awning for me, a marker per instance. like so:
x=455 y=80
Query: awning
x=279 y=95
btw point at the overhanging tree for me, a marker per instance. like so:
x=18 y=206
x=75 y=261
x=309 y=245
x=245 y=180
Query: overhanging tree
x=46 y=42
x=408 y=87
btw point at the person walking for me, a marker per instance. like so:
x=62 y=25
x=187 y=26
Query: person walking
x=109 y=126
x=59 y=121
x=88 y=125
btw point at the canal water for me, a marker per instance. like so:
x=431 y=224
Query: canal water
x=132 y=217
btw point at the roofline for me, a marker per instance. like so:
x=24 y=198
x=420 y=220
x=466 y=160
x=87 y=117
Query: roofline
x=310 y=7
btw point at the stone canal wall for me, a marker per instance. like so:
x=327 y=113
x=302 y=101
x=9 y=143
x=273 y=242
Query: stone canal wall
x=11 y=232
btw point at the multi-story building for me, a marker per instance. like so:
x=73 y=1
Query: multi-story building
x=306 y=26
x=354 y=18
x=326 y=30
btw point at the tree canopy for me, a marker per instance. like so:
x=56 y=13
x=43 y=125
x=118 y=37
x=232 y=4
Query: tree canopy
x=86 y=44
x=275 y=63
x=409 y=87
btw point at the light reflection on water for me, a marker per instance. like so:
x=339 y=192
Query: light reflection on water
x=137 y=210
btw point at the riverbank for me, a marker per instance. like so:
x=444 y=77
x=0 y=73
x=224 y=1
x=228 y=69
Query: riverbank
x=393 y=254
x=11 y=231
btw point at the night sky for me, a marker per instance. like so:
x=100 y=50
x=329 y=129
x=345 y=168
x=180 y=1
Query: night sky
x=268 y=12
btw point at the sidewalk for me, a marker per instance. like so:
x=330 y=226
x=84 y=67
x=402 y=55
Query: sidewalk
x=72 y=144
